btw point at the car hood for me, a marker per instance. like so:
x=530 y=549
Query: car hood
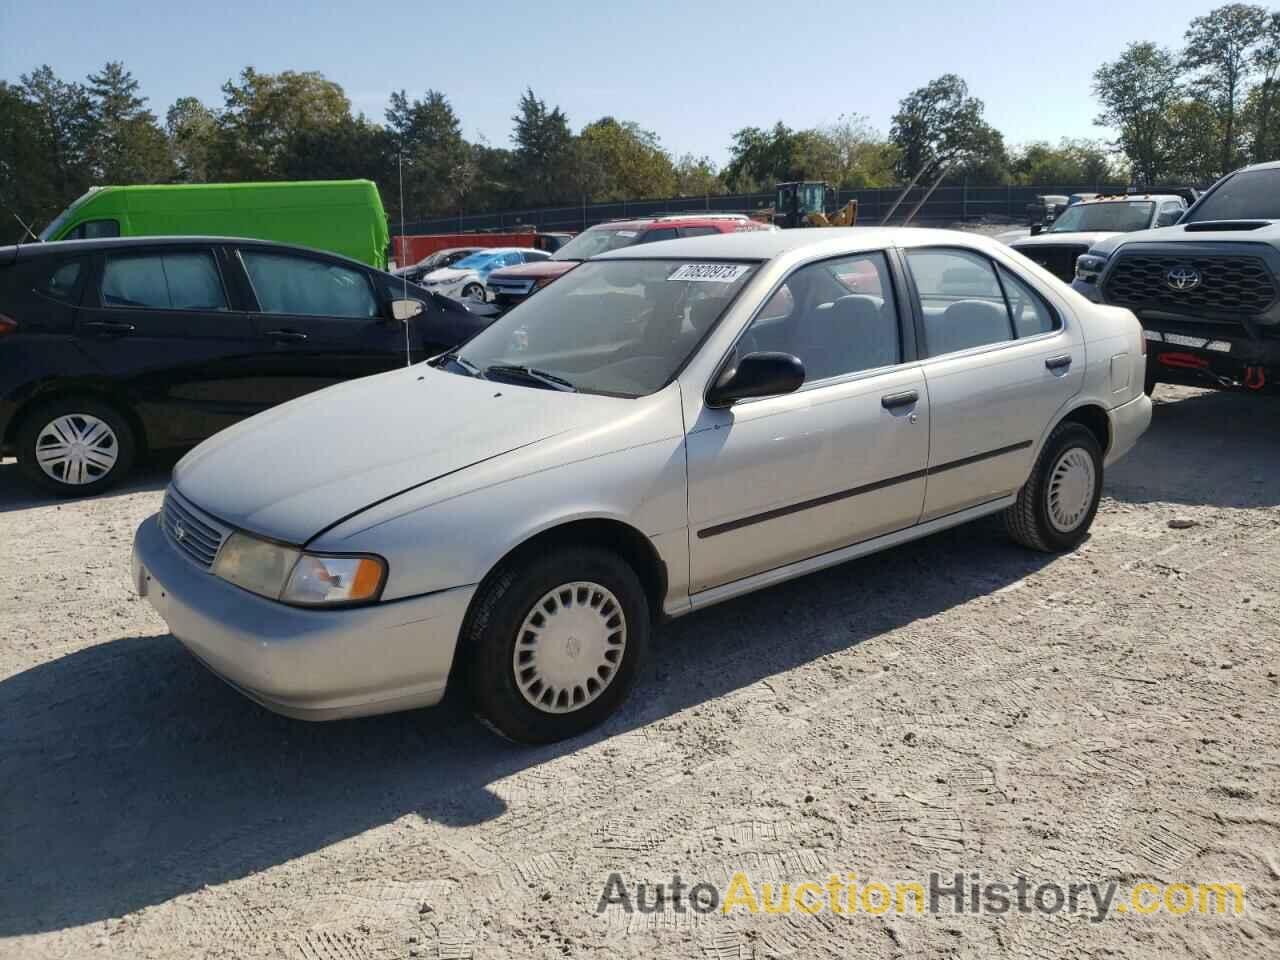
x=1268 y=233
x=1008 y=236
x=448 y=275
x=542 y=268
x=1088 y=238
x=299 y=468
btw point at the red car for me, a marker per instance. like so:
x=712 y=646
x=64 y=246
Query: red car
x=511 y=285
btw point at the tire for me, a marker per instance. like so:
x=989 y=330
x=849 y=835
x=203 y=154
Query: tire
x=500 y=638
x=108 y=454
x=1039 y=521
x=1149 y=382
x=473 y=291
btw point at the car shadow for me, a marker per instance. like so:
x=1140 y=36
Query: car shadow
x=18 y=493
x=130 y=775
x=1204 y=448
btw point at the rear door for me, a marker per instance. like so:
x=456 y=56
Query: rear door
x=162 y=323
x=324 y=320
x=999 y=363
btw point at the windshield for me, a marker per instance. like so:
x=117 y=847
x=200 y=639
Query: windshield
x=596 y=240
x=1120 y=217
x=477 y=261
x=619 y=327
x=1249 y=195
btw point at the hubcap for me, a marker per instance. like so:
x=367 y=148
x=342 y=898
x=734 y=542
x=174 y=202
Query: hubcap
x=77 y=449
x=1071 y=489
x=570 y=647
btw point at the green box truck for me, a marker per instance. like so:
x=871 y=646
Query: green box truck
x=341 y=216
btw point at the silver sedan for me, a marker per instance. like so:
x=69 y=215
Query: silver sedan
x=664 y=428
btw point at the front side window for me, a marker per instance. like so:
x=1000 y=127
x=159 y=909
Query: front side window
x=170 y=281
x=63 y=282
x=620 y=327
x=305 y=287
x=961 y=298
x=838 y=317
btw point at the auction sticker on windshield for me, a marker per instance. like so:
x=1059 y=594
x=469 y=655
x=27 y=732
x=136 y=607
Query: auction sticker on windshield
x=709 y=272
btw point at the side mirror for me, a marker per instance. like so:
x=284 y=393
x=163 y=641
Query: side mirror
x=406 y=310
x=757 y=375
x=1037 y=229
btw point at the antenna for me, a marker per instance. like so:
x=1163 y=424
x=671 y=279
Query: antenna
x=404 y=275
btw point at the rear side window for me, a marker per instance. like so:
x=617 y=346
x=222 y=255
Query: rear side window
x=164 y=281
x=961 y=299
x=305 y=287
x=698 y=231
x=1031 y=315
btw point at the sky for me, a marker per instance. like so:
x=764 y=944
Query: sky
x=691 y=72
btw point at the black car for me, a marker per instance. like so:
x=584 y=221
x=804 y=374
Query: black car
x=435 y=261
x=112 y=348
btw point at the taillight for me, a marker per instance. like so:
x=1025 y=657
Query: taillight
x=7 y=325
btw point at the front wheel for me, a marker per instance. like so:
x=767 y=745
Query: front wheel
x=1056 y=506
x=76 y=447
x=554 y=643
x=473 y=291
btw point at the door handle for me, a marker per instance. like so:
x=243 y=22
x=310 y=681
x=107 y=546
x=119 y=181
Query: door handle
x=286 y=336
x=115 y=328
x=891 y=401
x=1058 y=363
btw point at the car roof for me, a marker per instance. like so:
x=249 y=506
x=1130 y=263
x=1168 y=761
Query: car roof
x=1132 y=197
x=1269 y=165
x=54 y=247
x=668 y=220
x=767 y=244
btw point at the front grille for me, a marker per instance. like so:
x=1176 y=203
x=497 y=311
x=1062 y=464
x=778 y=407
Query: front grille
x=1058 y=260
x=1226 y=284
x=191 y=530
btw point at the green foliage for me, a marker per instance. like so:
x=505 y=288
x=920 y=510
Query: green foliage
x=1220 y=55
x=939 y=124
x=544 y=151
x=1136 y=92
x=620 y=161
x=1070 y=162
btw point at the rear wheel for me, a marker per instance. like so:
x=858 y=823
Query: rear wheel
x=1056 y=506
x=76 y=447
x=555 y=642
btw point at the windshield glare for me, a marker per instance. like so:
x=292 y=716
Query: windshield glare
x=1250 y=195
x=619 y=327
x=1121 y=217
x=596 y=240
x=476 y=261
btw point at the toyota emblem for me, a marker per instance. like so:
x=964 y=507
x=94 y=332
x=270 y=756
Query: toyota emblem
x=1182 y=279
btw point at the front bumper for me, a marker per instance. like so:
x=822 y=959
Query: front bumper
x=308 y=664
x=1128 y=422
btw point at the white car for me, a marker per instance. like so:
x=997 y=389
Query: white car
x=665 y=427
x=465 y=279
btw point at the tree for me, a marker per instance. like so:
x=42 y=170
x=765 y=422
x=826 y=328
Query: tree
x=438 y=163
x=262 y=112
x=697 y=177
x=63 y=135
x=759 y=158
x=1071 y=162
x=544 y=150
x=938 y=124
x=1264 y=99
x=1193 y=142
x=1220 y=48
x=192 y=129
x=1136 y=92
x=621 y=161
x=129 y=146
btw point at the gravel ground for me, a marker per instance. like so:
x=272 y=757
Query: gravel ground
x=957 y=704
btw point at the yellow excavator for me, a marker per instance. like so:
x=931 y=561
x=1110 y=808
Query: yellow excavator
x=809 y=203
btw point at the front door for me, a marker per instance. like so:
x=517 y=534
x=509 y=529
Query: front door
x=782 y=479
x=999 y=363
x=324 y=320
x=160 y=322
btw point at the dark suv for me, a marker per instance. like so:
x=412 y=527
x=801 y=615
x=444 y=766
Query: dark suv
x=110 y=348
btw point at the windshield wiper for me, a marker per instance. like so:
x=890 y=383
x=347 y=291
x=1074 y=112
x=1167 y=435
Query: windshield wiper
x=453 y=357
x=531 y=374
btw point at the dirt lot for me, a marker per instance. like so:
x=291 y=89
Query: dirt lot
x=954 y=705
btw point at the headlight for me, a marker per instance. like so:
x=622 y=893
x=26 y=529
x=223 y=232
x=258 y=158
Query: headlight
x=1089 y=267
x=284 y=573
